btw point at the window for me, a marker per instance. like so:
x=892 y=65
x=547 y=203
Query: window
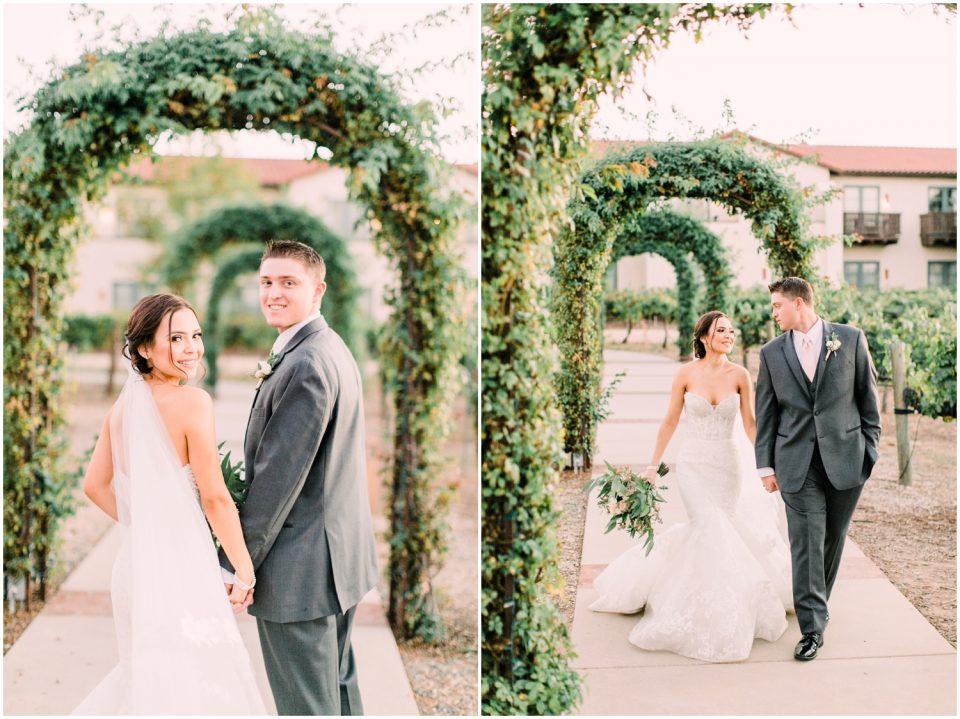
x=942 y=199
x=861 y=199
x=862 y=274
x=126 y=294
x=942 y=274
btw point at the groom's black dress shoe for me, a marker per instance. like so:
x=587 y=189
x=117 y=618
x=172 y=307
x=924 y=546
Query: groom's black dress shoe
x=807 y=647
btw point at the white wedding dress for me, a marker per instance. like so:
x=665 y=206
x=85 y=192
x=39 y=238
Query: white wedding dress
x=713 y=584
x=179 y=645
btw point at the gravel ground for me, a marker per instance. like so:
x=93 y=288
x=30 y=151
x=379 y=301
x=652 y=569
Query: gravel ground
x=571 y=501
x=444 y=677
x=911 y=532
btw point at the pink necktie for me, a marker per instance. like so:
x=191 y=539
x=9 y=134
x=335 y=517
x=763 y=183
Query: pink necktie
x=809 y=359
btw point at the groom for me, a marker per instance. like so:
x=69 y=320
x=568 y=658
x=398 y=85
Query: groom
x=818 y=432
x=306 y=519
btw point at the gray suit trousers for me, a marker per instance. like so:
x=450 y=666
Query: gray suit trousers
x=311 y=667
x=818 y=516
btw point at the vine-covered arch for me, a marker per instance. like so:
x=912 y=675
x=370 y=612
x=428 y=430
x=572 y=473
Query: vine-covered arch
x=691 y=236
x=680 y=240
x=619 y=189
x=248 y=228
x=95 y=115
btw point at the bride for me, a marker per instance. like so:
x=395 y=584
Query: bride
x=155 y=470
x=713 y=584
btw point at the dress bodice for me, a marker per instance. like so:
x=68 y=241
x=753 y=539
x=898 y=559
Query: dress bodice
x=708 y=421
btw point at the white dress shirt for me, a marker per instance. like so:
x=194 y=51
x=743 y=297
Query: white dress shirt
x=284 y=338
x=815 y=334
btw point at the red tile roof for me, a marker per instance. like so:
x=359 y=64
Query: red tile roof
x=855 y=160
x=270 y=173
x=847 y=159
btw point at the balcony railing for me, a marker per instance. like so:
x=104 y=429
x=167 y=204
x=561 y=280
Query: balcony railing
x=873 y=227
x=938 y=229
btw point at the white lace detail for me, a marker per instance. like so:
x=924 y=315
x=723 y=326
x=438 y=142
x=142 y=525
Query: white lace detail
x=193 y=481
x=708 y=421
x=713 y=584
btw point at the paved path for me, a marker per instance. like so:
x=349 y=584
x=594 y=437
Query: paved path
x=71 y=644
x=880 y=657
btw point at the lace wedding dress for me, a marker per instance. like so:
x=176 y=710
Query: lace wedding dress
x=179 y=645
x=713 y=584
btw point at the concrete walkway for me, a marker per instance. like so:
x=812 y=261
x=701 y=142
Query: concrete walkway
x=70 y=646
x=880 y=657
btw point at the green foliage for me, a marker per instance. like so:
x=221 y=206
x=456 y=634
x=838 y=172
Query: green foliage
x=88 y=332
x=924 y=320
x=752 y=318
x=630 y=499
x=544 y=66
x=246 y=229
x=112 y=105
x=233 y=477
x=639 y=306
x=247 y=332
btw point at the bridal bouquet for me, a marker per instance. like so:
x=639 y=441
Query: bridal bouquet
x=233 y=477
x=630 y=499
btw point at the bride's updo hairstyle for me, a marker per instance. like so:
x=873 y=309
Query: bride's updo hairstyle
x=145 y=318
x=702 y=329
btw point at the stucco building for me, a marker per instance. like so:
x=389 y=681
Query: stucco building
x=900 y=203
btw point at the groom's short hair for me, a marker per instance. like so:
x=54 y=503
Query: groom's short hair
x=794 y=287
x=308 y=256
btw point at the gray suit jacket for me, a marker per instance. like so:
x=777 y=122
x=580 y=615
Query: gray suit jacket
x=306 y=519
x=841 y=416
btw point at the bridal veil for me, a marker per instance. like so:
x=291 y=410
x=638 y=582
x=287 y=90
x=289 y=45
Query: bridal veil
x=180 y=651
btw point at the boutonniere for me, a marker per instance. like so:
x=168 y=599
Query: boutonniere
x=833 y=345
x=264 y=369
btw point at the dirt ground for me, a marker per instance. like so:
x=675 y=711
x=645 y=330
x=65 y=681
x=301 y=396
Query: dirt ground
x=909 y=532
x=443 y=677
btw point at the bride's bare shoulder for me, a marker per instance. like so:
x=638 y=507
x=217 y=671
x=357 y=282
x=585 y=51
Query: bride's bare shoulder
x=195 y=399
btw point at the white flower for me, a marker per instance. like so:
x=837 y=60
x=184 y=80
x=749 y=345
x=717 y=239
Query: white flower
x=833 y=345
x=264 y=370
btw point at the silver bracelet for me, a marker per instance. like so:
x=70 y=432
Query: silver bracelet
x=243 y=585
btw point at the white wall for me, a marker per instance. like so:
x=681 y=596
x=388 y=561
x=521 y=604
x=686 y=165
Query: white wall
x=903 y=264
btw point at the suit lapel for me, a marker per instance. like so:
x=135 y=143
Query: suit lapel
x=790 y=352
x=308 y=329
x=822 y=361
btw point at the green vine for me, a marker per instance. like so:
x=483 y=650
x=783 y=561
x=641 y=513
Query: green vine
x=249 y=227
x=97 y=114
x=544 y=67
x=611 y=220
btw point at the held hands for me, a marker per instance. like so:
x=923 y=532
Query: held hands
x=770 y=483
x=240 y=593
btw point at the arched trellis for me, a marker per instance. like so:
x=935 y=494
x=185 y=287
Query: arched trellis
x=622 y=186
x=242 y=226
x=677 y=238
x=682 y=264
x=95 y=115
x=682 y=231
